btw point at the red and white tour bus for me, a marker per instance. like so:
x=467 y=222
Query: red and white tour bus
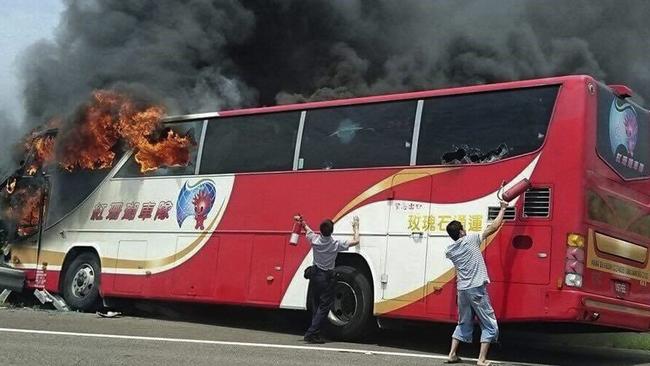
x=573 y=248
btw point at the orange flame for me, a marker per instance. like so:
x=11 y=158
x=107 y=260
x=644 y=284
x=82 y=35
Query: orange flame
x=111 y=117
x=26 y=210
x=43 y=150
x=172 y=151
x=106 y=120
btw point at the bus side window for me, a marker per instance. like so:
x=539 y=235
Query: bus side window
x=255 y=143
x=63 y=183
x=484 y=127
x=358 y=136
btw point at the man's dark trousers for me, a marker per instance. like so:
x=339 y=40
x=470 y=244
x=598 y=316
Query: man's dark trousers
x=322 y=286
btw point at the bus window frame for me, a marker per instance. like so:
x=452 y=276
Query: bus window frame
x=206 y=117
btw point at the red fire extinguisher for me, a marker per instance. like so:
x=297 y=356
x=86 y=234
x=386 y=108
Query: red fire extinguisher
x=295 y=231
x=514 y=191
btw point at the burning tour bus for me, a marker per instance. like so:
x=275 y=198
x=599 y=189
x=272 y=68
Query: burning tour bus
x=199 y=208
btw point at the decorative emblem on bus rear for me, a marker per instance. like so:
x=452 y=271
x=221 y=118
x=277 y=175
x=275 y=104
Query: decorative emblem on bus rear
x=196 y=200
x=623 y=135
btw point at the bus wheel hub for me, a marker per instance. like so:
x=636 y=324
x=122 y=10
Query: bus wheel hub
x=83 y=281
x=345 y=304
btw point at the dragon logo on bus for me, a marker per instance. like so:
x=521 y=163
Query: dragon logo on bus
x=623 y=135
x=623 y=128
x=196 y=200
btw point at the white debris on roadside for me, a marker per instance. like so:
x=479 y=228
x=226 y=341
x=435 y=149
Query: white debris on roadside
x=109 y=314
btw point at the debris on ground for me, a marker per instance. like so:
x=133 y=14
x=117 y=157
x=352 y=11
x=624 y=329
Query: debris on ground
x=109 y=314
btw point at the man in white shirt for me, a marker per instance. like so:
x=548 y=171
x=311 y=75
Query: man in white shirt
x=471 y=283
x=322 y=281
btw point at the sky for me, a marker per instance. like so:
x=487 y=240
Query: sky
x=23 y=22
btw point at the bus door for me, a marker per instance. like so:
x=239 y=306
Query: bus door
x=406 y=249
x=22 y=211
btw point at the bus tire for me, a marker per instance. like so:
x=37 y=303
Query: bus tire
x=351 y=313
x=81 y=282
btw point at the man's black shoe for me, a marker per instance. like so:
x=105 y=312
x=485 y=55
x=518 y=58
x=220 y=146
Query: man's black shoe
x=314 y=339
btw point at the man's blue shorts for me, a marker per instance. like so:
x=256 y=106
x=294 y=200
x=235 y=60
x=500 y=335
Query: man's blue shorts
x=476 y=301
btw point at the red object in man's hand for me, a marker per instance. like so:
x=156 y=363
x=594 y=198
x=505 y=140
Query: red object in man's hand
x=295 y=231
x=515 y=190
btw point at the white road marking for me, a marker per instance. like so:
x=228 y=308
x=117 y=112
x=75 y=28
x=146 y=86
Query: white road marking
x=242 y=344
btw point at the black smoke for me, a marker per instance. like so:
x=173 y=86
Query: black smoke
x=205 y=55
x=10 y=146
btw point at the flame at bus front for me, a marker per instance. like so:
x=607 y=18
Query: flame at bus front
x=171 y=152
x=29 y=212
x=25 y=209
x=43 y=151
x=108 y=122
x=111 y=117
x=89 y=144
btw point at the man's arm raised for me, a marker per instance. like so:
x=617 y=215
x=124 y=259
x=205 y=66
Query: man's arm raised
x=310 y=234
x=355 y=229
x=494 y=226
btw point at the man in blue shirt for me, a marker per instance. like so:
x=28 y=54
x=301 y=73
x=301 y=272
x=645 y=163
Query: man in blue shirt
x=471 y=284
x=322 y=280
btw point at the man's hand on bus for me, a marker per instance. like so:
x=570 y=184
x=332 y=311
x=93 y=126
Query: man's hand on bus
x=298 y=218
x=355 y=232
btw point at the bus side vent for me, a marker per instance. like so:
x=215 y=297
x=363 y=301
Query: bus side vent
x=493 y=211
x=537 y=202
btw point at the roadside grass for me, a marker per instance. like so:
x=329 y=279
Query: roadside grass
x=627 y=340
x=640 y=341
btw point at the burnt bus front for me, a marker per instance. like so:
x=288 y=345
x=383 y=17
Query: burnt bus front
x=22 y=205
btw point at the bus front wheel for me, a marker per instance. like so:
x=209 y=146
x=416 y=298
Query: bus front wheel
x=351 y=312
x=81 y=282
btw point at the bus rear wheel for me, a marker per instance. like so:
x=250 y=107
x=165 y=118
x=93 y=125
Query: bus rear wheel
x=351 y=313
x=81 y=282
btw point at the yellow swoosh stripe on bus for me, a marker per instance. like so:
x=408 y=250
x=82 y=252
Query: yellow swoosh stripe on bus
x=27 y=256
x=404 y=176
x=406 y=299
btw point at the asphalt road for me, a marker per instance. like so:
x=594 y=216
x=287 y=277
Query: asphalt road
x=164 y=334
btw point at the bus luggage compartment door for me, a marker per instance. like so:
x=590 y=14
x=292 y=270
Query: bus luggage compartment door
x=522 y=256
x=129 y=266
x=406 y=248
